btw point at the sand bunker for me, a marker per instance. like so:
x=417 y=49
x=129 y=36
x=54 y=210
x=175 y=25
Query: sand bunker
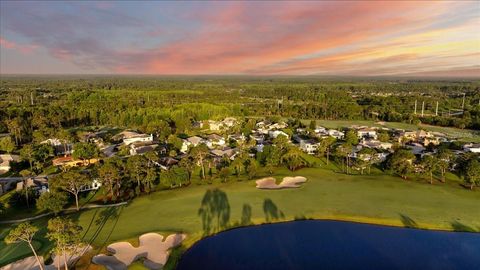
x=287 y=182
x=151 y=247
x=31 y=263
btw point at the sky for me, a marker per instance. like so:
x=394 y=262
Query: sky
x=370 y=38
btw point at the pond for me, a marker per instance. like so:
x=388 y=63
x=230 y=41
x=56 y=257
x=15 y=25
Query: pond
x=320 y=244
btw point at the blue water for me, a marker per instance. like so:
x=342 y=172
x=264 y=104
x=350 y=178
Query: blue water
x=315 y=244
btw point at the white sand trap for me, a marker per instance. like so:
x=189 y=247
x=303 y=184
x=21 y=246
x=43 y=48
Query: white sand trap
x=151 y=247
x=30 y=263
x=287 y=182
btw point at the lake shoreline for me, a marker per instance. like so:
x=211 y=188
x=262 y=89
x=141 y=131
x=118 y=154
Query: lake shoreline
x=306 y=222
x=342 y=219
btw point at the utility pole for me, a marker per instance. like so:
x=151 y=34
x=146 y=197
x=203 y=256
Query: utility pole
x=436 y=110
x=415 y=112
x=31 y=98
x=463 y=102
x=423 y=106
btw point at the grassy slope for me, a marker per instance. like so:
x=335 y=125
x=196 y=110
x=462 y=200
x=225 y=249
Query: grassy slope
x=382 y=200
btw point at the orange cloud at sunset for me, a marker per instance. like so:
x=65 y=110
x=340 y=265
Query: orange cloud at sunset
x=332 y=38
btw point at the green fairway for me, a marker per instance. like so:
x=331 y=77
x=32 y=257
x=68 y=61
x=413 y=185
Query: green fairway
x=327 y=195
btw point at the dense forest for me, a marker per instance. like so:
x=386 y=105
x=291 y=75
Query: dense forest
x=35 y=107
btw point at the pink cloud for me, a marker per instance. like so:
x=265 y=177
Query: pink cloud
x=24 y=49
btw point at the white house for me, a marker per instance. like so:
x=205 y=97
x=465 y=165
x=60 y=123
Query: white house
x=376 y=144
x=335 y=133
x=306 y=144
x=275 y=133
x=320 y=130
x=309 y=146
x=416 y=148
x=130 y=137
x=367 y=133
x=473 y=148
x=214 y=140
x=94 y=185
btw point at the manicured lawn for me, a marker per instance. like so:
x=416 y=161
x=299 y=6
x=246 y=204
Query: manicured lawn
x=327 y=195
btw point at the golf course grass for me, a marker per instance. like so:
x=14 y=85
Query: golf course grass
x=327 y=194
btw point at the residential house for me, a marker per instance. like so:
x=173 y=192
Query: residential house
x=6 y=160
x=473 y=148
x=280 y=125
x=167 y=162
x=191 y=142
x=239 y=138
x=309 y=146
x=60 y=147
x=214 y=140
x=416 y=148
x=130 y=137
x=215 y=125
x=376 y=144
x=367 y=133
x=414 y=136
x=94 y=185
x=275 y=133
x=226 y=152
x=320 y=130
x=258 y=137
x=69 y=162
x=139 y=148
x=229 y=122
x=336 y=134
x=39 y=184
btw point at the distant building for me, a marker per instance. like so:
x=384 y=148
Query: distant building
x=376 y=144
x=320 y=130
x=60 y=147
x=307 y=145
x=69 y=162
x=229 y=122
x=39 y=184
x=336 y=134
x=215 y=125
x=130 y=137
x=191 y=142
x=367 y=133
x=140 y=148
x=275 y=133
x=473 y=148
x=215 y=140
x=5 y=162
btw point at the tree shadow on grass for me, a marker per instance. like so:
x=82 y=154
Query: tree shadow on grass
x=246 y=215
x=214 y=211
x=460 y=227
x=112 y=213
x=408 y=221
x=271 y=211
